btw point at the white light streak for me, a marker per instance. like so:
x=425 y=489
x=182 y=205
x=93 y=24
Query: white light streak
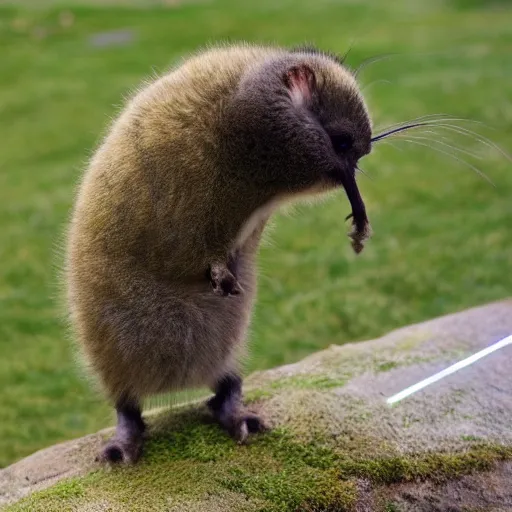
x=448 y=371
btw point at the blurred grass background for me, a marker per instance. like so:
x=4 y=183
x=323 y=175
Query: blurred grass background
x=443 y=235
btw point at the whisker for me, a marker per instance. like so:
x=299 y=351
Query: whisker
x=396 y=130
x=440 y=118
x=476 y=136
x=454 y=52
x=454 y=157
x=415 y=120
x=433 y=122
x=371 y=60
x=392 y=144
x=451 y=146
x=363 y=172
x=343 y=57
x=445 y=124
x=374 y=82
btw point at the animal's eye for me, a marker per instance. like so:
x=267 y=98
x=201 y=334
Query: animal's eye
x=342 y=143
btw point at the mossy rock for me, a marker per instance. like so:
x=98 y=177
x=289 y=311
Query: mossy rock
x=334 y=444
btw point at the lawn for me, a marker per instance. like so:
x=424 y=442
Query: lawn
x=442 y=235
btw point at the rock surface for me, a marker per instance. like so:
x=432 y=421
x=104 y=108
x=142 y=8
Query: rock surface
x=335 y=443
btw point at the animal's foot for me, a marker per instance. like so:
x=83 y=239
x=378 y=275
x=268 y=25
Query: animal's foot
x=224 y=283
x=246 y=424
x=227 y=408
x=238 y=423
x=121 y=451
x=126 y=444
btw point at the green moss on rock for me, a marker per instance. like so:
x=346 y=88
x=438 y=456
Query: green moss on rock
x=438 y=466
x=189 y=461
x=335 y=444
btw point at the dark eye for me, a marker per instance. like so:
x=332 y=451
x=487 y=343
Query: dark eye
x=342 y=143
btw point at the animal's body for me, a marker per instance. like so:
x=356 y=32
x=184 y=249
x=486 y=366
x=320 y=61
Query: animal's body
x=179 y=193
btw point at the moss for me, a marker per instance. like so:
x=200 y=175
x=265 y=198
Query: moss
x=471 y=438
x=438 y=466
x=307 y=381
x=340 y=371
x=338 y=367
x=68 y=489
x=195 y=461
x=255 y=395
x=296 y=488
x=302 y=381
x=296 y=382
x=380 y=366
x=62 y=496
x=221 y=502
x=312 y=465
x=189 y=462
x=413 y=339
x=284 y=449
x=198 y=442
x=385 y=367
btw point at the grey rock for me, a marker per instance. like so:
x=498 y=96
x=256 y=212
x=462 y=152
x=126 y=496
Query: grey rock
x=339 y=396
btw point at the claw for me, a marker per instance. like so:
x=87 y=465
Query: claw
x=245 y=425
x=119 y=451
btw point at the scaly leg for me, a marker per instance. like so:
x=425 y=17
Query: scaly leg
x=227 y=408
x=126 y=444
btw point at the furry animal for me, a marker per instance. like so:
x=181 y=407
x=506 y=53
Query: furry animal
x=174 y=202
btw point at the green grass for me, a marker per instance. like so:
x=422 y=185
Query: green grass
x=442 y=234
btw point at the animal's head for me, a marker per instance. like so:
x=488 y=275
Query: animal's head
x=299 y=124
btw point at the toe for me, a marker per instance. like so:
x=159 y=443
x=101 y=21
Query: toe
x=254 y=424
x=113 y=453
x=118 y=451
x=241 y=432
x=245 y=425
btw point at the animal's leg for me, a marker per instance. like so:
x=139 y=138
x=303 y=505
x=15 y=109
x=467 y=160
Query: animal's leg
x=227 y=408
x=126 y=445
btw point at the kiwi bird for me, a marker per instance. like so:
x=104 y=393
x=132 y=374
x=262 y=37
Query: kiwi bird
x=165 y=229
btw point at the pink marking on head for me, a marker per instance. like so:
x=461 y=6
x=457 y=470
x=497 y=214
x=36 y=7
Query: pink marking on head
x=301 y=83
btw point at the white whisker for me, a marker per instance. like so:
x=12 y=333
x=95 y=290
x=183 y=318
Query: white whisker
x=390 y=143
x=432 y=119
x=431 y=122
x=476 y=136
x=454 y=157
x=415 y=120
x=451 y=146
x=374 y=82
x=369 y=61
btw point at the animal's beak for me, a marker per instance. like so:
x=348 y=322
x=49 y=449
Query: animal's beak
x=361 y=230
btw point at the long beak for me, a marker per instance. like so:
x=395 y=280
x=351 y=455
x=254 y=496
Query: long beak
x=361 y=230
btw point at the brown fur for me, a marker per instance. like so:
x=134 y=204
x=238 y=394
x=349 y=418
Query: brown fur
x=173 y=190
